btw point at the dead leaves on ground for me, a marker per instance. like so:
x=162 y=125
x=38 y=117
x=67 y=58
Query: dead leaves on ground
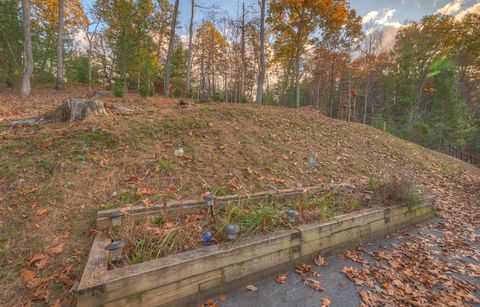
x=325 y=302
x=308 y=275
x=320 y=261
x=55 y=250
x=281 y=279
x=32 y=278
x=40 y=261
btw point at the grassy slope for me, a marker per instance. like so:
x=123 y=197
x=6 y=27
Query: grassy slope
x=74 y=172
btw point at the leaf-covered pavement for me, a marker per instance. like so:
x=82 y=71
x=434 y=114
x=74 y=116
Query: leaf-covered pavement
x=436 y=263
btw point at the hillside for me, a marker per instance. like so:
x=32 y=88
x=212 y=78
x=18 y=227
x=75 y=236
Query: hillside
x=53 y=179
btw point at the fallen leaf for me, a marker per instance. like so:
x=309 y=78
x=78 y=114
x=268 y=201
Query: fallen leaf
x=29 y=278
x=251 y=288
x=303 y=268
x=144 y=191
x=56 y=249
x=320 y=261
x=43 y=211
x=66 y=279
x=57 y=303
x=40 y=260
x=131 y=179
x=222 y=297
x=42 y=294
x=281 y=278
x=325 y=302
x=209 y=303
x=27 y=275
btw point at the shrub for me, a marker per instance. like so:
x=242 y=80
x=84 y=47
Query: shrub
x=177 y=93
x=397 y=190
x=217 y=97
x=145 y=91
x=118 y=89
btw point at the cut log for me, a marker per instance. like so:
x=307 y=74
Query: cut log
x=101 y=94
x=70 y=110
x=121 y=109
x=26 y=122
x=78 y=109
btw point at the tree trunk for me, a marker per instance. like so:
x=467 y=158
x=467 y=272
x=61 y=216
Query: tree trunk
x=349 y=108
x=242 y=84
x=27 y=46
x=261 y=68
x=330 y=98
x=60 y=68
x=189 y=62
x=366 y=100
x=297 y=77
x=170 y=49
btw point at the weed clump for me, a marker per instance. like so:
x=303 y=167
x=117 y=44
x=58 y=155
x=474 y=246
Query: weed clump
x=396 y=191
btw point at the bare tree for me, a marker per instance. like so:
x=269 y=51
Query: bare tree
x=170 y=49
x=27 y=47
x=60 y=68
x=244 y=65
x=372 y=43
x=189 y=62
x=90 y=35
x=261 y=68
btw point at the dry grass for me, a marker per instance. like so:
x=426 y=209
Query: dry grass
x=155 y=236
x=73 y=172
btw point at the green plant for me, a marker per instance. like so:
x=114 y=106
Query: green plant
x=165 y=166
x=143 y=91
x=372 y=183
x=138 y=254
x=118 y=89
x=220 y=190
x=217 y=97
x=177 y=93
x=159 y=220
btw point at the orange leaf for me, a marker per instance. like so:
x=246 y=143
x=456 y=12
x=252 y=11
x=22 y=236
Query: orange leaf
x=57 y=303
x=144 y=191
x=40 y=260
x=325 y=302
x=222 y=297
x=28 y=275
x=281 y=278
x=43 y=211
x=320 y=261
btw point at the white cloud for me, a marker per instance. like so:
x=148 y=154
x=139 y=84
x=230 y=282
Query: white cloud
x=473 y=9
x=381 y=22
x=370 y=16
x=387 y=16
x=379 y=18
x=389 y=32
x=81 y=39
x=450 y=8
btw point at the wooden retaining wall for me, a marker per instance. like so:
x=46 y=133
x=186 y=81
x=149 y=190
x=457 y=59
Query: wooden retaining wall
x=194 y=275
x=281 y=196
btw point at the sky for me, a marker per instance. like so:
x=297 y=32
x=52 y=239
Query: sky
x=388 y=15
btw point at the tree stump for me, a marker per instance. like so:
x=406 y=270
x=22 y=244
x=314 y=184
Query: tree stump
x=78 y=109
